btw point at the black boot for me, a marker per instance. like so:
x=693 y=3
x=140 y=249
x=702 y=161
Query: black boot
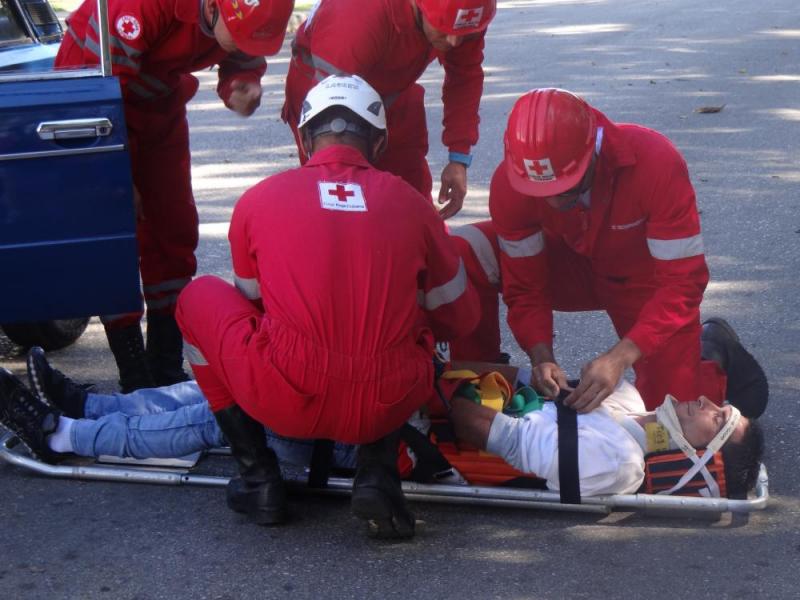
x=377 y=493
x=27 y=416
x=747 y=388
x=165 y=349
x=52 y=386
x=127 y=345
x=259 y=492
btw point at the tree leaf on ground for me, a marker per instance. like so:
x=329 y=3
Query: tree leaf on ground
x=709 y=109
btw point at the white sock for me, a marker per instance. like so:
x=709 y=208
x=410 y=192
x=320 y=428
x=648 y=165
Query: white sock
x=61 y=440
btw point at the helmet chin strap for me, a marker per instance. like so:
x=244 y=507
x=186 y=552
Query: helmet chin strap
x=668 y=418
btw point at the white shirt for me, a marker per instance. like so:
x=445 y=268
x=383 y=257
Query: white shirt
x=610 y=460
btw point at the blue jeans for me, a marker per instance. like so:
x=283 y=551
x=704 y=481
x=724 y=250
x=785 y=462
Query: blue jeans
x=168 y=422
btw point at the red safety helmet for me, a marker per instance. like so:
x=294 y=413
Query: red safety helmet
x=549 y=142
x=458 y=17
x=256 y=26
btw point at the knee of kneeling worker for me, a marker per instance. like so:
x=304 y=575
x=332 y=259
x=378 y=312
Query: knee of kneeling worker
x=195 y=298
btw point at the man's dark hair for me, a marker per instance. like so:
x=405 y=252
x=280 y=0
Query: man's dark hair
x=742 y=460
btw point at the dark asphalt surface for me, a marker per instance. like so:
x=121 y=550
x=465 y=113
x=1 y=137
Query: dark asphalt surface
x=652 y=63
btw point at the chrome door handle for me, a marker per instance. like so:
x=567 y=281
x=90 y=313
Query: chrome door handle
x=71 y=129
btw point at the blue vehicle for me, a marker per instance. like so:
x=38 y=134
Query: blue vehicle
x=67 y=227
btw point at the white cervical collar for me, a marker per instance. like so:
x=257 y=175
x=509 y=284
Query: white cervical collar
x=666 y=416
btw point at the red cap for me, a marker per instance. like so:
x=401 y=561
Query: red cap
x=549 y=142
x=458 y=17
x=256 y=26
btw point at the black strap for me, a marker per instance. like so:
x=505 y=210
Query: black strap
x=431 y=463
x=568 y=476
x=321 y=460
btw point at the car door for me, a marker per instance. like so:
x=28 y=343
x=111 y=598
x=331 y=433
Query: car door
x=67 y=226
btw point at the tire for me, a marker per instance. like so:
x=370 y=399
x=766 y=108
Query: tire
x=50 y=335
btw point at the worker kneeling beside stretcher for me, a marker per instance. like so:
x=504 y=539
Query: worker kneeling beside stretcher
x=324 y=335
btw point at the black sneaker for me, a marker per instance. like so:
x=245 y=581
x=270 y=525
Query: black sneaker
x=747 y=389
x=28 y=417
x=53 y=387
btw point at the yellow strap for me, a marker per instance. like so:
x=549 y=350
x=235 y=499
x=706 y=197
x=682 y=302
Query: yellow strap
x=460 y=374
x=494 y=390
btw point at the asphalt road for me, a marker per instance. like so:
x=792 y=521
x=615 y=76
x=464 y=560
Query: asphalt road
x=653 y=63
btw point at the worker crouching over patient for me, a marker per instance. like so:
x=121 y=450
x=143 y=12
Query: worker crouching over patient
x=588 y=214
x=344 y=275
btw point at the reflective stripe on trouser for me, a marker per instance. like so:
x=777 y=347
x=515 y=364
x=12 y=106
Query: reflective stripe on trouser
x=168 y=233
x=676 y=368
x=477 y=245
x=407 y=127
x=296 y=388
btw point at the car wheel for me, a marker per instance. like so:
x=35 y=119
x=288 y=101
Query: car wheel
x=50 y=335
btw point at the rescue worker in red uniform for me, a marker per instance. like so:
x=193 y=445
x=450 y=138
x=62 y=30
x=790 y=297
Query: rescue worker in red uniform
x=344 y=276
x=390 y=43
x=588 y=214
x=155 y=45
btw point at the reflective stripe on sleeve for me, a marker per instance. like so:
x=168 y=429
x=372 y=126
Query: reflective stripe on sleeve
x=193 y=355
x=675 y=249
x=140 y=91
x=155 y=83
x=322 y=68
x=447 y=292
x=75 y=38
x=529 y=246
x=482 y=248
x=248 y=286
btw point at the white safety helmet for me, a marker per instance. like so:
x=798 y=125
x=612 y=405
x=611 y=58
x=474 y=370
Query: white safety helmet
x=668 y=419
x=349 y=91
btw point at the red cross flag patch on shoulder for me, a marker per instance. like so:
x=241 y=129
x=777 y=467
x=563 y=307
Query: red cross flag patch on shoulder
x=341 y=196
x=468 y=17
x=539 y=169
x=128 y=27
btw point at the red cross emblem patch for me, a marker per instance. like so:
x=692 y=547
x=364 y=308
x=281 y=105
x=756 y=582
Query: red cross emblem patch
x=539 y=169
x=341 y=196
x=468 y=17
x=128 y=27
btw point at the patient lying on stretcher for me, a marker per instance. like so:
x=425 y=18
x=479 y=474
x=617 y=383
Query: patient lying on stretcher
x=63 y=417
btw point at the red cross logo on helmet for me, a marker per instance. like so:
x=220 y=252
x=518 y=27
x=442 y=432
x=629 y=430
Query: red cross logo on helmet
x=468 y=17
x=539 y=169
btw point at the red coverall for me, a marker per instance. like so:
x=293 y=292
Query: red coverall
x=381 y=41
x=636 y=252
x=325 y=336
x=154 y=48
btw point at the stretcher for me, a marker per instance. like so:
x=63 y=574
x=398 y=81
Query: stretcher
x=184 y=472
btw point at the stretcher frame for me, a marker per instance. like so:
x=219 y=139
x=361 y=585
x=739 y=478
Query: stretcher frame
x=440 y=493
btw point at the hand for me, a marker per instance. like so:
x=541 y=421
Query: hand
x=138 y=211
x=245 y=97
x=600 y=376
x=453 y=190
x=548 y=378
